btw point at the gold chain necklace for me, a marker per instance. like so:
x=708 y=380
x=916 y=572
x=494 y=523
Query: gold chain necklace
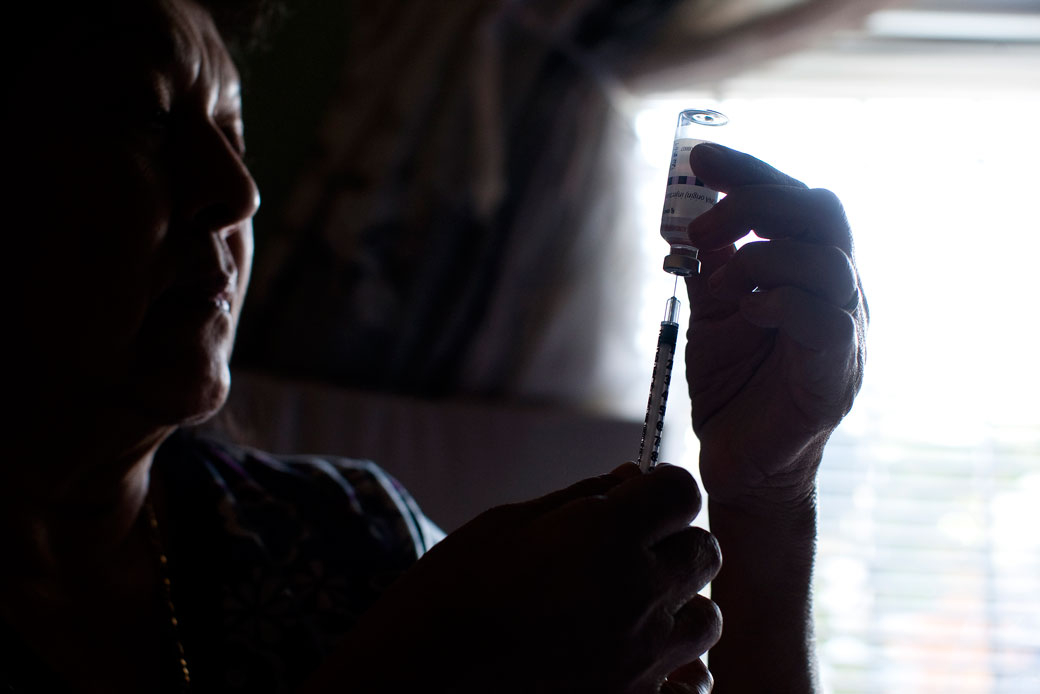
x=164 y=575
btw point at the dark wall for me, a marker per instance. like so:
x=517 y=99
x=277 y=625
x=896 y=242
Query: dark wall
x=287 y=83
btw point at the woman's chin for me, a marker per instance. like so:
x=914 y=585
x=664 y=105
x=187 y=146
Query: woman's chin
x=182 y=396
x=206 y=405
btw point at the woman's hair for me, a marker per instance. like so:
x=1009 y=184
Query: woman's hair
x=245 y=25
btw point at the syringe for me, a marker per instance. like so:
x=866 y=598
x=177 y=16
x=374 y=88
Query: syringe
x=686 y=197
x=653 y=425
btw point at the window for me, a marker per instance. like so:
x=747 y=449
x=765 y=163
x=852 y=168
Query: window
x=928 y=573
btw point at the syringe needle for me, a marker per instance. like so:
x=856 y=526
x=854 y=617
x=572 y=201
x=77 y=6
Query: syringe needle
x=653 y=425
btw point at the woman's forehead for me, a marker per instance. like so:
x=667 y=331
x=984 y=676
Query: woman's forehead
x=132 y=35
x=177 y=37
x=74 y=39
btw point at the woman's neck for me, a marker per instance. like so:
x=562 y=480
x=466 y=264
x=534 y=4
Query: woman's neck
x=86 y=597
x=70 y=498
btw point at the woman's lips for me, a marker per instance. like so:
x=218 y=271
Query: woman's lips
x=223 y=301
x=209 y=294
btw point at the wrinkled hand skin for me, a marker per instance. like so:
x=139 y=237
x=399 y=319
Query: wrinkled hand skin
x=776 y=340
x=590 y=589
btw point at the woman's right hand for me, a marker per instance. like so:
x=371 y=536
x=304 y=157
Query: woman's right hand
x=590 y=589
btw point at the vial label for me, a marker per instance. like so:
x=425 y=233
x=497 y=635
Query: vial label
x=686 y=198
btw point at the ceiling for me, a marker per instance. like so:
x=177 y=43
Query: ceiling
x=936 y=47
x=1008 y=21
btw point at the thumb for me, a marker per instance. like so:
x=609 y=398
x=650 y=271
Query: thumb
x=702 y=303
x=592 y=486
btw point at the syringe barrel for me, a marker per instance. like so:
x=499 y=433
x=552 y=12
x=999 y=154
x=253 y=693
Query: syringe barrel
x=653 y=425
x=686 y=197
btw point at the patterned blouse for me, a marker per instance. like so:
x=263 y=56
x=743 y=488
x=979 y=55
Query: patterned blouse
x=271 y=560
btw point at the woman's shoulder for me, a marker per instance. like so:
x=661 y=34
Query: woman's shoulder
x=359 y=485
x=273 y=557
x=333 y=493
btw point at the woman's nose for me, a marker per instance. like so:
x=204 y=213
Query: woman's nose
x=217 y=190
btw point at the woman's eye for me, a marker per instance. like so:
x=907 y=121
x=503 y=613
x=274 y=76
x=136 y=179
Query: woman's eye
x=147 y=121
x=158 y=119
x=234 y=137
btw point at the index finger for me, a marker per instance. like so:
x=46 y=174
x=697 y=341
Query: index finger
x=723 y=169
x=774 y=212
x=592 y=486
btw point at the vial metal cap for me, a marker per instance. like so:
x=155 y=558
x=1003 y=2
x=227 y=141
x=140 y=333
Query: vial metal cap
x=682 y=264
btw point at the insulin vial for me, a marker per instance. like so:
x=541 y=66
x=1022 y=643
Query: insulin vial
x=686 y=197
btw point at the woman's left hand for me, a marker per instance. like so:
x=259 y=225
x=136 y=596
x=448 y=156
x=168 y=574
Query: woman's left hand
x=776 y=342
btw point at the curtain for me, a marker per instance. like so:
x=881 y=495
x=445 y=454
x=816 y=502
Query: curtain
x=450 y=229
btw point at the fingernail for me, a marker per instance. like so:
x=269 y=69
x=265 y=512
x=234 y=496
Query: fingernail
x=708 y=152
x=625 y=470
x=691 y=230
x=709 y=147
x=699 y=231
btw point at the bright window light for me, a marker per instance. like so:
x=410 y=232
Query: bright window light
x=947 y=26
x=928 y=576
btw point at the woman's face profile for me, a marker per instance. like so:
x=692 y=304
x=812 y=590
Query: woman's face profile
x=131 y=209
